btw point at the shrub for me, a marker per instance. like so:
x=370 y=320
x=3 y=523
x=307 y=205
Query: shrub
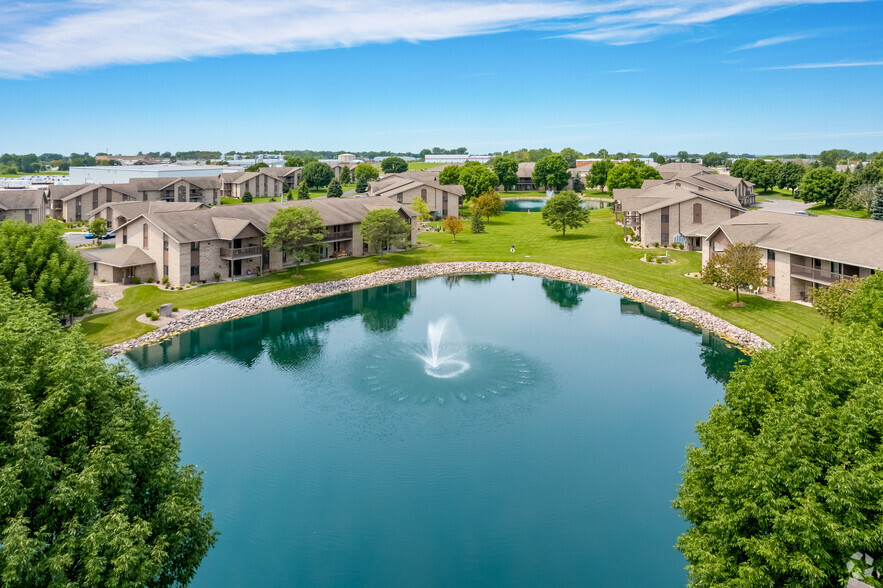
x=149 y=279
x=174 y=309
x=136 y=280
x=656 y=243
x=272 y=199
x=186 y=286
x=102 y=279
x=148 y=313
x=648 y=258
x=247 y=197
x=154 y=316
x=217 y=276
x=660 y=259
x=165 y=280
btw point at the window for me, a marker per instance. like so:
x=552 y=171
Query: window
x=194 y=271
x=125 y=237
x=95 y=266
x=95 y=200
x=399 y=198
x=109 y=196
x=165 y=244
x=665 y=238
x=771 y=255
x=194 y=246
x=771 y=281
x=697 y=213
x=144 y=236
x=836 y=268
x=165 y=270
x=665 y=218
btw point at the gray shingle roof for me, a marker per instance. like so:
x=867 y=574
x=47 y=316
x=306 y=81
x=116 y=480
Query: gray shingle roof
x=125 y=256
x=204 y=182
x=21 y=199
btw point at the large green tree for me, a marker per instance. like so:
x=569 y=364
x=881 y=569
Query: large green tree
x=294 y=162
x=551 y=172
x=737 y=169
x=739 y=267
x=487 y=204
x=506 y=169
x=367 y=171
x=297 y=231
x=599 y=172
x=345 y=175
x=821 y=184
x=477 y=179
x=384 y=229
x=317 y=174
x=393 y=165
x=829 y=158
x=98 y=228
x=93 y=492
x=624 y=176
x=787 y=481
x=565 y=211
x=35 y=260
x=570 y=156
x=790 y=175
x=450 y=175
x=256 y=166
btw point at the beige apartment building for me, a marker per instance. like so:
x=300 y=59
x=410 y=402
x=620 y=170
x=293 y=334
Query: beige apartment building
x=802 y=252
x=24 y=205
x=700 y=178
x=443 y=200
x=194 y=245
x=267 y=182
x=73 y=203
x=667 y=214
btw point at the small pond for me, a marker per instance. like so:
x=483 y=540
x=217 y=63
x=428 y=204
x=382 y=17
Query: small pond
x=537 y=204
x=459 y=431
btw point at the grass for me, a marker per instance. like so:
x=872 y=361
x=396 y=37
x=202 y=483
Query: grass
x=421 y=165
x=820 y=209
x=40 y=173
x=598 y=247
x=542 y=194
x=314 y=193
x=64 y=226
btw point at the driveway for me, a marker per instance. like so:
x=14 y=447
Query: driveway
x=75 y=238
x=781 y=205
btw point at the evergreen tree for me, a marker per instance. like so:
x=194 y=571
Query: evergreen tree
x=247 y=197
x=361 y=184
x=334 y=189
x=877 y=203
x=303 y=191
x=345 y=175
x=476 y=224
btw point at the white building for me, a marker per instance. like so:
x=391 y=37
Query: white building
x=121 y=174
x=454 y=158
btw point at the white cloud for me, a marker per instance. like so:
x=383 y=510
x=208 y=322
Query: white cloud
x=824 y=65
x=769 y=42
x=65 y=35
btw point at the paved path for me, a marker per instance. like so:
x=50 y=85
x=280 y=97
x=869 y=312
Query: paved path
x=75 y=238
x=782 y=205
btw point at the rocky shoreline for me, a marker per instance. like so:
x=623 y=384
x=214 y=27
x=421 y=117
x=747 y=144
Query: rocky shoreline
x=286 y=297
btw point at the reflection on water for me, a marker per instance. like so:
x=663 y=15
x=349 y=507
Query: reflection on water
x=567 y=295
x=537 y=204
x=718 y=356
x=455 y=279
x=292 y=336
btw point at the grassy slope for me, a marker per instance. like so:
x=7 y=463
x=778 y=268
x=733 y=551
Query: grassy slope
x=598 y=248
x=818 y=208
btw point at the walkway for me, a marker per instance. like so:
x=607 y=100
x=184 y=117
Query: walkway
x=782 y=205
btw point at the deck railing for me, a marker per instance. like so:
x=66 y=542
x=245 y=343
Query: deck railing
x=241 y=252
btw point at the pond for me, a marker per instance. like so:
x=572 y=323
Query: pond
x=537 y=204
x=458 y=431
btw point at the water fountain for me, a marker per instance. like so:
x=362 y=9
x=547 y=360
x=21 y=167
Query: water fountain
x=437 y=364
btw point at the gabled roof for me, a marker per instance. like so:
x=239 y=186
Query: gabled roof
x=645 y=200
x=203 y=182
x=125 y=256
x=133 y=209
x=127 y=189
x=392 y=184
x=845 y=240
x=21 y=199
x=673 y=170
x=525 y=169
x=59 y=191
x=229 y=228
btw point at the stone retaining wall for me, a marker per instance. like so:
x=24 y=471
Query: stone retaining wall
x=262 y=302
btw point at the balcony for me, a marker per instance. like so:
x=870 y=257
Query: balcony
x=241 y=252
x=338 y=236
x=816 y=275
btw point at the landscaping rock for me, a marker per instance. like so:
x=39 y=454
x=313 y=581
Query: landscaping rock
x=295 y=295
x=165 y=309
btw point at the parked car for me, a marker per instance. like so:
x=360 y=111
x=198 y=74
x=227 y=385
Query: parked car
x=107 y=235
x=805 y=213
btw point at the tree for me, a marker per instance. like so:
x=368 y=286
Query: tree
x=876 y=210
x=566 y=295
x=256 y=166
x=94 y=492
x=712 y=159
x=785 y=484
x=648 y=172
x=35 y=260
x=565 y=211
x=294 y=162
x=832 y=301
x=361 y=184
x=790 y=175
x=345 y=175
x=683 y=156
x=624 y=176
x=334 y=189
x=367 y=171
x=829 y=158
x=303 y=191
x=570 y=156
x=453 y=226
x=738 y=267
x=421 y=208
x=487 y=204
x=599 y=172
x=578 y=185
x=393 y=165
x=317 y=174
x=659 y=159
x=821 y=184
x=297 y=231
x=737 y=170
x=506 y=169
x=476 y=225
x=477 y=179
x=384 y=229
x=247 y=197
x=98 y=227
x=450 y=175
x=551 y=172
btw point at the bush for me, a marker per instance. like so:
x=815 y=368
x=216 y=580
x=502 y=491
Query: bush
x=656 y=243
x=135 y=280
x=154 y=316
x=174 y=309
x=247 y=197
x=102 y=280
x=217 y=276
x=272 y=199
x=148 y=313
x=649 y=258
x=149 y=279
x=660 y=259
x=165 y=280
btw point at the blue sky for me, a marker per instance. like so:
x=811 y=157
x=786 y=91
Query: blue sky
x=777 y=76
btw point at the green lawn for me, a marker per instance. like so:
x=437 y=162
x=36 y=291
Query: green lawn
x=420 y=165
x=597 y=247
x=39 y=173
x=821 y=209
x=314 y=193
